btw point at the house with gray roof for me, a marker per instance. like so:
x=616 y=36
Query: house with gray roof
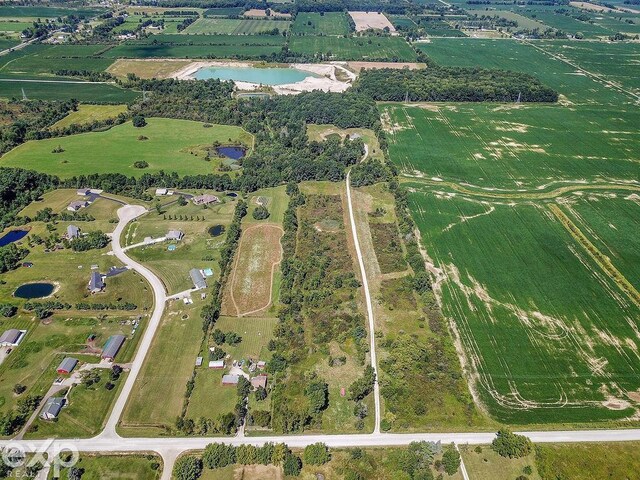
x=175 y=235
x=205 y=199
x=73 y=232
x=67 y=365
x=198 y=279
x=230 y=379
x=52 y=408
x=96 y=284
x=11 y=337
x=112 y=347
x=77 y=205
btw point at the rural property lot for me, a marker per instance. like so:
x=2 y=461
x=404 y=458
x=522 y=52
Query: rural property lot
x=231 y=26
x=356 y=48
x=170 y=145
x=329 y=23
x=373 y=20
x=251 y=283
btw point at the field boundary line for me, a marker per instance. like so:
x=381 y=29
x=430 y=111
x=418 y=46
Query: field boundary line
x=603 y=261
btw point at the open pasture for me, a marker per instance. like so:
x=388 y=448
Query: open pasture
x=354 y=48
x=233 y=26
x=90 y=113
x=250 y=286
x=329 y=23
x=535 y=57
x=101 y=467
x=496 y=147
x=153 y=68
x=514 y=280
x=170 y=145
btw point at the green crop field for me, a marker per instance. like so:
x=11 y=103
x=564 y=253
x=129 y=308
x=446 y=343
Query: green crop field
x=331 y=23
x=229 y=26
x=170 y=145
x=198 y=46
x=493 y=147
x=523 y=22
x=354 y=48
x=46 y=12
x=532 y=236
x=536 y=57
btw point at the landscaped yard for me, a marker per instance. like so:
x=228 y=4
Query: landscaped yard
x=165 y=144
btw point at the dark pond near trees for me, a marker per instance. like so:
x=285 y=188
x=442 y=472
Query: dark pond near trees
x=232 y=194
x=216 y=230
x=34 y=290
x=12 y=236
x=235 y=153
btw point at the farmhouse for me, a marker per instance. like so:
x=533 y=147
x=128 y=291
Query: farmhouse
x=112 y=347
x=216 y=364
x=12 y=337
x=230 y=379
x=52 y=408
x=205 y=199
x=67 y=365
x=77 y=205
x=259 y=381
x=175 y=235
x=198 y=279
x=96 y=284
x=73 y=232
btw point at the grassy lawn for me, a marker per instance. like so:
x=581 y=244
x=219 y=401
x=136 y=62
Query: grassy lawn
x=198 y=249
x=122 y=466
x=277 y=203
x=210 y=398
x=90 y=113
x=488 y=465
x=156 y=399
x=85 y=413
x=255 y=332
x=34 y=361
x=171 y=145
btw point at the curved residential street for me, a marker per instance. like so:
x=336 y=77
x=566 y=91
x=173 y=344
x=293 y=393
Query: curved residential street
x=171 y=447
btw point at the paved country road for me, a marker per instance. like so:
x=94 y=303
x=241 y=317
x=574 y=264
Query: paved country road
x=171 y=447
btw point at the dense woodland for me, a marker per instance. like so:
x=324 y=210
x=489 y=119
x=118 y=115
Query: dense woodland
x=453 y=84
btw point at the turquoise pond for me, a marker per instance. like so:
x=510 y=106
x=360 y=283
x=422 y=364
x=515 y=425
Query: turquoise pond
x=264 y=76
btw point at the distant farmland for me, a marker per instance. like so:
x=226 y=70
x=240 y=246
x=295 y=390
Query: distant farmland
x=354 y=48
x=533 y=246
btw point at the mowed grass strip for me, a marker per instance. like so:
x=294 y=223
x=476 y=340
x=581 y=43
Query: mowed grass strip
x=251 y=283
x=90 y=113
x=106 y=467
x=170 y=145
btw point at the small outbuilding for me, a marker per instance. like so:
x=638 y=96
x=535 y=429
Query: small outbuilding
x=77 y=205
x=205 y=199
x=52 y=408
x=161 y=192
x=96 y=283
x=112 y=347
x=73 y=232
x=175 y=235
x=198 y=279
x=198 y=361
x=259 y=381
x=230 y=379
x=67 y=366
x=216 y=364
x=12 y=337
x=83 y=192
x=262 y=364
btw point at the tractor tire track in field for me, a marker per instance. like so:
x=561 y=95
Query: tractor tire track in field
x=600 y=258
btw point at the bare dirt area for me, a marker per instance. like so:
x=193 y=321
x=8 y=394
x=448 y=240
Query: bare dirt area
x=257 y=13
x=149 y=68
x=366 y=20
x=358 y=66
x=249 y=289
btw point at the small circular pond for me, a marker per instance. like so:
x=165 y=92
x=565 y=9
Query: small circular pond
x=216 y=230
x=232 y=152
x=12 y=236
x=34 y=290
x=232 y=194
